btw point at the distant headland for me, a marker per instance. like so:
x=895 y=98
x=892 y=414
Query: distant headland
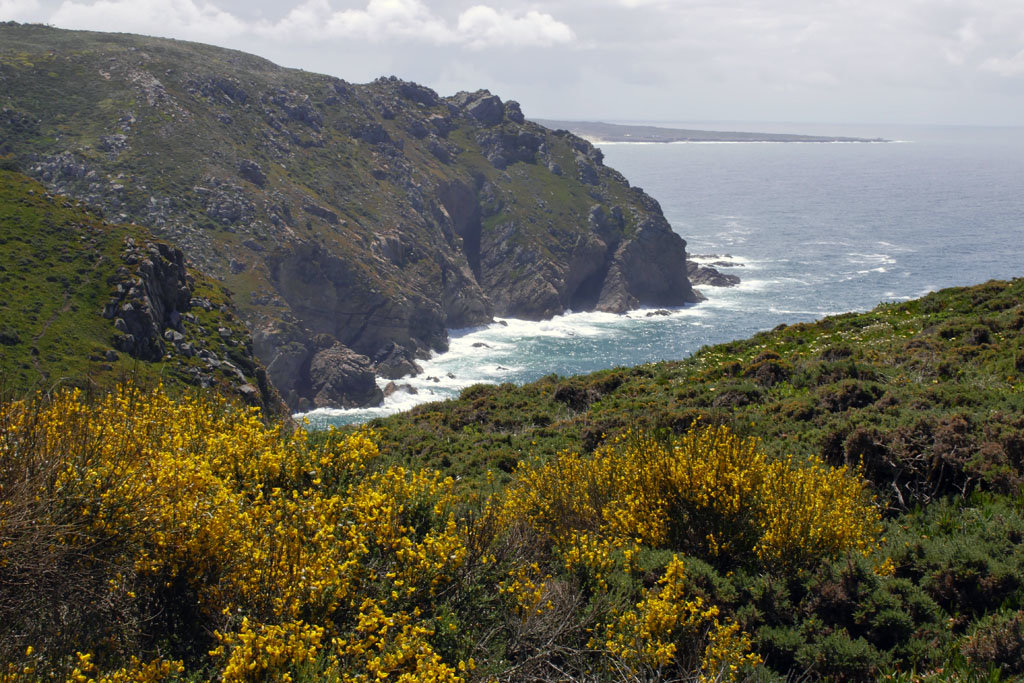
x=596 y=131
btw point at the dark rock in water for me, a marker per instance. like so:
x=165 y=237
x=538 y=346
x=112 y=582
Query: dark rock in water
x=340 y=377
x=482 y=345
x=704 y=275
x=726 y=264
x=394 y=361
x=392 y=388
x=660 y=311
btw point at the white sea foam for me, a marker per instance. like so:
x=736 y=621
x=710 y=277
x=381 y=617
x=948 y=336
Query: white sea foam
x=869 y=259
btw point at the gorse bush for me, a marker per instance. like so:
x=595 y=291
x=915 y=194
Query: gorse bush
x=230 y=546
x=144 y=538
x=706 y=493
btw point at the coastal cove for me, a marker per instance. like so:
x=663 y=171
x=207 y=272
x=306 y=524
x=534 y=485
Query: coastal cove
x=819 y=229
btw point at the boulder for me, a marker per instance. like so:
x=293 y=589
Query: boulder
x=394 y=361
x=251 y=171
x=342 y=378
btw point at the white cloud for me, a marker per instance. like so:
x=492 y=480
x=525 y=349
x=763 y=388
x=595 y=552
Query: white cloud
x=1014 y=66
x=481 y=26
x=177 y=18
x=18 y=10
x=380 y=21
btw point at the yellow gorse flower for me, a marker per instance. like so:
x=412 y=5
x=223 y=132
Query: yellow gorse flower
x=275 y=535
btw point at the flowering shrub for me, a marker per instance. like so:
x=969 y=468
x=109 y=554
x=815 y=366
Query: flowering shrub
x=667 y=628
x=707 y=493
x=292 y=555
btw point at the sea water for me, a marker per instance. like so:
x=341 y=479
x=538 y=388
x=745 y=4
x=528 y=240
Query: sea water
x=812 y=229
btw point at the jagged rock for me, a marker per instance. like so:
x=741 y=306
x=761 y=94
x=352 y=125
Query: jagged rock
x=419 y=94
x=482 y=106
x=587 y=173
x=513 y=112
x=321 y=212
x=340 y=377
x=149 y=305
x=705 y=275
x=391 y=388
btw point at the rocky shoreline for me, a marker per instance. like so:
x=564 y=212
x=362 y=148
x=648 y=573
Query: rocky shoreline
x=355 y=224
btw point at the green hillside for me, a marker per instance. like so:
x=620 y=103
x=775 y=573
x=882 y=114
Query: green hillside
x=62 y=267
x=929 y=393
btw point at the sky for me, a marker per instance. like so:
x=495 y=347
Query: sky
x=828 y=61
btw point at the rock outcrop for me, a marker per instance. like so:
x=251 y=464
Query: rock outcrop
x=380 y=215
x=151 y=309
x=706 y=275
x=341 y=377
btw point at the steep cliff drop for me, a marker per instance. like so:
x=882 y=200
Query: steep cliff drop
x=355 y=224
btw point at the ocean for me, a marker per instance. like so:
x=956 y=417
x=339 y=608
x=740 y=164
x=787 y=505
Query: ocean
x=812 y=229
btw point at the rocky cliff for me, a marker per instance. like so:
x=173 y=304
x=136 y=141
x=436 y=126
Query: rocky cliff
x=354 y=223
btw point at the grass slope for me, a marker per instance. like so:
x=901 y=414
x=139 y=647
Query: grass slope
x=59 y=266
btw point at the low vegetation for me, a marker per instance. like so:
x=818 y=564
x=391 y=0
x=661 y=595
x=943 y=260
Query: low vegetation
x=851 y=510
x=60 y=266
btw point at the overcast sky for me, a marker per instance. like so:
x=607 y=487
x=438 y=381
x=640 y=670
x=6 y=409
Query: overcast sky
x=832 y=61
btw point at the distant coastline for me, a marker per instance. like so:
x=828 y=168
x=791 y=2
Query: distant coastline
x=597 y=132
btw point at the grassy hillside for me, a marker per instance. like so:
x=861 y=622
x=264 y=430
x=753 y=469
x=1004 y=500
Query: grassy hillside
x=60 y=267
x=850 y=510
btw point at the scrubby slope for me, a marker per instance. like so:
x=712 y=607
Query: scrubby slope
x=926 y=397
x=930 y=393
x=90 y=304
x=369 y=217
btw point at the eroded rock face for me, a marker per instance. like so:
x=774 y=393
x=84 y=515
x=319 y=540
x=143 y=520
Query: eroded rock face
x=152 y=308
x=379 y=215
x=150 y=300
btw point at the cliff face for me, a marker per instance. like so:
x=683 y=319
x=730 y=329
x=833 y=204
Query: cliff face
x=362 y=218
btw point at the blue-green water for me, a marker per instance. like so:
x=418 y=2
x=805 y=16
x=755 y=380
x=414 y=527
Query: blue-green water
x=819 y=229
